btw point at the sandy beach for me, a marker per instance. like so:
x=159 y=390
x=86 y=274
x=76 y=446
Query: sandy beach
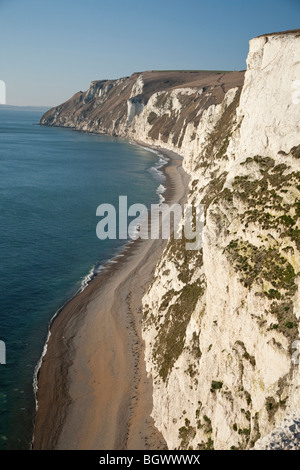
x=93 y=390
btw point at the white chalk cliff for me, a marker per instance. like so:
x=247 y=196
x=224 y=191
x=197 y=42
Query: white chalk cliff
x=220 y=323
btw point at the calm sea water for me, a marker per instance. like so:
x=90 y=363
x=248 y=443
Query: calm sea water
x=51 y=182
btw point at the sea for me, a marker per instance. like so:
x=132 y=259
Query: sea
x=51 y=182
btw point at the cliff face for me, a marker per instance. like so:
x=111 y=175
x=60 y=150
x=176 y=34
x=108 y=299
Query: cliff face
x=153 y=106
x=219 y=323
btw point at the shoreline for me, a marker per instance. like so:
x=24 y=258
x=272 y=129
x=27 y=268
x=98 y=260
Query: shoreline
x=123 y=251
x=93 y=391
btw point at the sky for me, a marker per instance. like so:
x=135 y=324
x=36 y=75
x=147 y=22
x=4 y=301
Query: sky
x=49 y=50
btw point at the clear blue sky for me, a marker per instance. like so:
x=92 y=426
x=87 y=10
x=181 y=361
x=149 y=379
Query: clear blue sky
x=51 y=49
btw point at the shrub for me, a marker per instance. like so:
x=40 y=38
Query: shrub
x=215 y=385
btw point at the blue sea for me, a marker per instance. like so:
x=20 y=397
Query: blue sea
x=51 y=183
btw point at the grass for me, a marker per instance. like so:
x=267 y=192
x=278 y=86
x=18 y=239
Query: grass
x=257 y=266
x=171 y=335
x=151 y=118
x=186 y=433
x=271 y=202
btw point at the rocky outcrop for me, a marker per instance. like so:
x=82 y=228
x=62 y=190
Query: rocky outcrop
x=220 y=323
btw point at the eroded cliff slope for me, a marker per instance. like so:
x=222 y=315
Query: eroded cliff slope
x=220 y=322
x=155 y=106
